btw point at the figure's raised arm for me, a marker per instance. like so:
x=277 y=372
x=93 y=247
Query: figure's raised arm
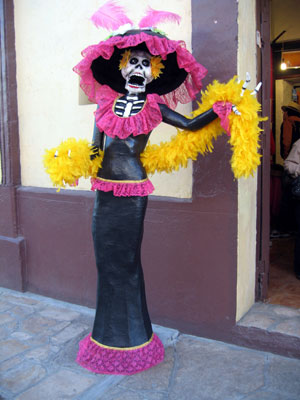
x=229 y=108
x=179 y=121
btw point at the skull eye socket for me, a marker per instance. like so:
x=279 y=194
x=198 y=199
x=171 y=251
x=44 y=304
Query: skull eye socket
x=133 y=60
x=146 y=62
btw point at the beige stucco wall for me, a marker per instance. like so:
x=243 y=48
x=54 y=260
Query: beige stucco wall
x=246 y=187
x=49 y=39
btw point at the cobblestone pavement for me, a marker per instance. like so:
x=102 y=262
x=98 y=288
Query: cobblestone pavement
x=38 y=345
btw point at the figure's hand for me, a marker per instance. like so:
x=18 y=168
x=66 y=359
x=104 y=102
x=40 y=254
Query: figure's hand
x=95 y=152
x=244 y=87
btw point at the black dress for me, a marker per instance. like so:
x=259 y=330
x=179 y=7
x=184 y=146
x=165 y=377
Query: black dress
x=122 y=340
x=122 y=318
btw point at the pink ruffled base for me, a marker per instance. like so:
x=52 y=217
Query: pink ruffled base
x=103 y=360
x=123 y=189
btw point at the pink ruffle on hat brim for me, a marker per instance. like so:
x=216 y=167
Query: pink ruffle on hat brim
x=161 y=46
x=104 y=360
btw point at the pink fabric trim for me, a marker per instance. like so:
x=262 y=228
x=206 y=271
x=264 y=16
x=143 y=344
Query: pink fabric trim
x=142 y=123
x=123 y=189
x=223 y=109
x=157 y=46
x=101 y=360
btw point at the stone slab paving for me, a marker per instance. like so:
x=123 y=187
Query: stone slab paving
x=39 y=341
x=273 y=318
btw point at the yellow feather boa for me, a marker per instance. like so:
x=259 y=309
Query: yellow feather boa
x=186 y=145
x=70 y=161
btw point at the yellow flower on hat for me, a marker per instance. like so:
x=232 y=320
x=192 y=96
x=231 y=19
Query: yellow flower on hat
x=125 y=58
x=156 y=66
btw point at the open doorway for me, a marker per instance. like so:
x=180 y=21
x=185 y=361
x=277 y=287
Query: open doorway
x=283 y=286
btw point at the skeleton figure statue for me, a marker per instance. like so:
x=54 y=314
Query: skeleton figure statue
x=136 y=77
x=122 y=319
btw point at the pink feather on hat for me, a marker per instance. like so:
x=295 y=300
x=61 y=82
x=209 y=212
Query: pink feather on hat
x=154 y=17
x=110 y=16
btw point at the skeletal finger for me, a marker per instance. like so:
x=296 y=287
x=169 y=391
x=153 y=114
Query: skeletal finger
x=246 y=83
x=256 y=90
x=235 y=110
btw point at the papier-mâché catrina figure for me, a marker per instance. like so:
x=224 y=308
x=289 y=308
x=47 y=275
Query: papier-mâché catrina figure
x=136 y=77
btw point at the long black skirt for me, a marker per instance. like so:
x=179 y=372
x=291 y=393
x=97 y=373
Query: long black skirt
x=122 y=318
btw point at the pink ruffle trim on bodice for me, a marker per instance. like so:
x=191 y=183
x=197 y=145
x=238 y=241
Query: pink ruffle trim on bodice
x=141 y=123
x=123 y=189
x=157 y=46
x=105 y=360
x=223 y=109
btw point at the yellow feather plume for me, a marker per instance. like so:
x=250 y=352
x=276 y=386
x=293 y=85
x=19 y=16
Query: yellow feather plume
x=70 y=161
x=186 y=145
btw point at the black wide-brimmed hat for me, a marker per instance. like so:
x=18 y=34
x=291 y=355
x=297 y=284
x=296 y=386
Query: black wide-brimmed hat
x=107 y=72
x=179 y=81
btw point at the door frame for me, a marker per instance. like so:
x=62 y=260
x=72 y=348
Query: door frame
x=263 y=175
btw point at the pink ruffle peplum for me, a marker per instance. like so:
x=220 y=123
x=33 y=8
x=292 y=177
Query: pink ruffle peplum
x=123 y=189
x=112 y=361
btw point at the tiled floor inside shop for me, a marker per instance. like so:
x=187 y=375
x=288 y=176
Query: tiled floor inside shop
x=284 y=287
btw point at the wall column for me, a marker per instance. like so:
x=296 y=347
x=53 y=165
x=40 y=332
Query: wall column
x=12 y=247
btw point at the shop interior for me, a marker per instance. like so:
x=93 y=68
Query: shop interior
x=284 y=281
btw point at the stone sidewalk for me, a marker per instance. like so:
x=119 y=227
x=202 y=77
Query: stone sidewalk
x=39 y=340
x=273 y=318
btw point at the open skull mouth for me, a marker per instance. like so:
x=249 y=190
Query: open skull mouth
x=137 y=80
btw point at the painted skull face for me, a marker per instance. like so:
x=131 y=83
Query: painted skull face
x=137 y=72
